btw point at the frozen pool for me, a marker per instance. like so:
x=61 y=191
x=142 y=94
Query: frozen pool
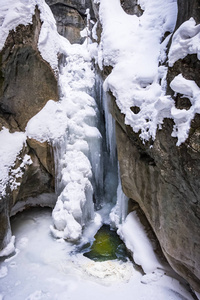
x=43 y=268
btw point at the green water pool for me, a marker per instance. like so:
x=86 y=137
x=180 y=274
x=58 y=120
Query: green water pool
x=107 y=246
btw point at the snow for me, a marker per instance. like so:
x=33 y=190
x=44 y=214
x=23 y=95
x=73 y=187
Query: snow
x=71 y=124
x=12 y=14
x=3 y=271
x=120 y=210
x=132 y=46
x=82 y=144
x=9 y=249
x=185 y=41
x=135 y=238
x=17 y=12
x=11 y=145
x=183 y=117
x=49 y=124
x=198 y=295
x=44 y=268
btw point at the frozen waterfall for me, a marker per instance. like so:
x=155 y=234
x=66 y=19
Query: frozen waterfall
x=85 y=155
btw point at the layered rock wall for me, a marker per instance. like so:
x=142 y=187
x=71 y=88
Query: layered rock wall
x=162 y=177
x=71 y=17
x=27 y=82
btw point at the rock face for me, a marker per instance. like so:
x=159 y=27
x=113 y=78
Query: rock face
x=186 y=10
x=27 y=82
x=164 y=182
x=22 y=71
x=131 y=7
x=163 y=178
x=71 y=17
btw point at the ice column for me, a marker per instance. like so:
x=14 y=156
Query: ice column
x=105 y=100
x=79 y=153
x=119 y=212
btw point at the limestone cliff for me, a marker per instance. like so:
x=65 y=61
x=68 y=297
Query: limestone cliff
x=71 y=17
x=159 y=175
x=27 y=82
x=163 y=178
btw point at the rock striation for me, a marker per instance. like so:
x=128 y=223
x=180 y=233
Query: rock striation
x=162 y=177
x=159 y=175
x=27 y=82
x=71 y=17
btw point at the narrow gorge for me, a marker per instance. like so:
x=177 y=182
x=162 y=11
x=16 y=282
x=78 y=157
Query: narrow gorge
x=99 y=120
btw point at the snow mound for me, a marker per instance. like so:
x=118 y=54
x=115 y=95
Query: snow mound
x=183 y=117
x=133 y=47
x=18 y=12
x=134 y=236
x=185 y=41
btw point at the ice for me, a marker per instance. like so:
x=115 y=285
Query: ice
x=120 y=210
x=46 y=268
x=132 y=46
x=3 y=271
x=18 y=173
x=113 y=271
x=135 y=238
x=85 y=160
x=109 y=172
x=43 y=200
x=70 y=125
x=75 y=203
x=37 y=295
x=198 y=295
x=110 y=127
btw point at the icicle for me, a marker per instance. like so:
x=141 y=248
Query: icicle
x=109 y=120
x=78 y=153
x=120 y=210
x=59 y=150
x=110 y=127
